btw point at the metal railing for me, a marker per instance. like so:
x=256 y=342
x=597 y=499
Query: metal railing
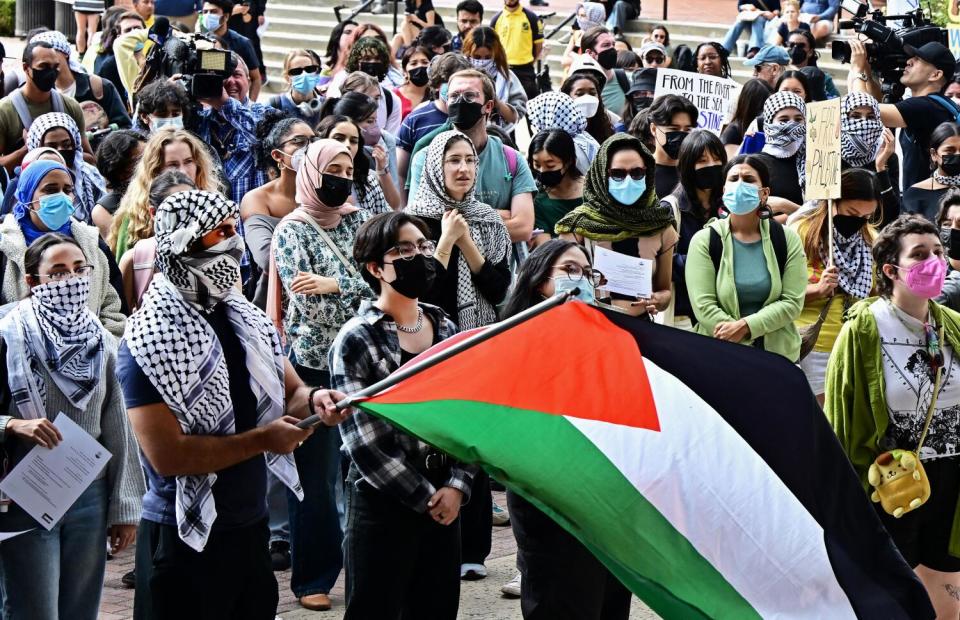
x=353 y=13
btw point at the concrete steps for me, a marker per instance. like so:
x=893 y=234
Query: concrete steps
x=308 y=23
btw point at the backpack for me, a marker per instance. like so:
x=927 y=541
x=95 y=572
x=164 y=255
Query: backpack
x=777 y=237
x=622 y=80
x=683 y=59
x=511 y=156
x=388 y=96
x=949 y=105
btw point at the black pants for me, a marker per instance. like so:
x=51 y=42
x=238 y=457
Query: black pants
x=476 y=522
x=400 y=564
x=230 y=579
x=528 y=78
x=561 y=578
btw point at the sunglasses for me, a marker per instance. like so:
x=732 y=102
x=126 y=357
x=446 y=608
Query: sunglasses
x=619 y=174
x=298 y=70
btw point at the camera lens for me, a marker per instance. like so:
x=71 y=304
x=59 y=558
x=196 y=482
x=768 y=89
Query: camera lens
x=840 y=50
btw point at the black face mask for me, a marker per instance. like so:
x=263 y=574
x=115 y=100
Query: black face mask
x=67 y=155
x=415 y=277
x=847 y=225
x=607 y=58
x=950 y=164
x=334 y=190
x=640 y=104
x=374 y=68
x=418 y=76
x=548 y=178
x=464 y=114
x=710 y=177
x=44 y=79
x=673 y=140
x=946 y=235
x=798 y=55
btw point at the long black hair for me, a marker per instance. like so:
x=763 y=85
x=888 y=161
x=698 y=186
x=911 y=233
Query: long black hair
x=361 y=163
x=750 y=103
x=941 y=134
x=558 y=143
x=333 y=45
x=692 y=149
x=794 y=74
x=598 y=125
x=533 y=272
x=270 y=132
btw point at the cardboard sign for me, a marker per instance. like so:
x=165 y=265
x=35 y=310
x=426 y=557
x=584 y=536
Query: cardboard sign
x=713 y=96
x=953 y=36
x=823 y=150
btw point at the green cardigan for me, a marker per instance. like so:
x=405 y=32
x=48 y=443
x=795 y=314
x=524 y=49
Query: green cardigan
x=713 y=295
x=856 y=403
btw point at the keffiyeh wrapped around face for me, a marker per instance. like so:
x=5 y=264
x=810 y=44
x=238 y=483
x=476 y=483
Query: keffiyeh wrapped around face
x=53 y=329
x=486 y=228
x=88 y=183
x=859 y=137
x=786 y=139
x=181 y=355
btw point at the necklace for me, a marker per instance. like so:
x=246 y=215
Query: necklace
x=928 y=332
x=416 y=328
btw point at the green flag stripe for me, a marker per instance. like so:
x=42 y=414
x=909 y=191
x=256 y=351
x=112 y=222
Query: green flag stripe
x=582 y=490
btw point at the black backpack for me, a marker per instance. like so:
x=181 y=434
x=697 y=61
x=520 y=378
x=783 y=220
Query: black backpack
x=777 y=237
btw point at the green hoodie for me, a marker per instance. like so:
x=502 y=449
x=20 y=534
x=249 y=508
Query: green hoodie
x=713 y=295
x=856 y=403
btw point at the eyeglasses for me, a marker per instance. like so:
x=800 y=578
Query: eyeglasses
x=407 y=250
x=300 y=141
x=575 y=272
x=469 y=96
x=456 y=161
x=298 y=70
x=619 y=174
x=657 y=58
x=82 y=270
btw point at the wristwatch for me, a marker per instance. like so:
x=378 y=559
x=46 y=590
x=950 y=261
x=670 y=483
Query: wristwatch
x=862 y=75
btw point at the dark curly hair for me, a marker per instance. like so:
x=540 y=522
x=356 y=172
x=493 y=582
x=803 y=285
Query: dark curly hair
x=270 y=132
x=887 y=245
x=113 y=156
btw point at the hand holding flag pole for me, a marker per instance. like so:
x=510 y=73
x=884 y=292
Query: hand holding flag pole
x=481 y=335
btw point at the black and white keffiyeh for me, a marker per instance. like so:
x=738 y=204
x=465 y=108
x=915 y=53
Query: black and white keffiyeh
x=554 y=109
x=181 y=355
x=943 y=179
x=486 y=228
x=87 y=180
x=53 y=329
x=59 y=42
x=787 y=139
x=859 y=137
x=854 y=261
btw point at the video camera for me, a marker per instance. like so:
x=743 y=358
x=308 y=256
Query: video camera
x=886 y=54
x=202 y=68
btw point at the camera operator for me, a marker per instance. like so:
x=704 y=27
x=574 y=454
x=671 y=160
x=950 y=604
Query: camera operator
x=929 y=69
x=228 y=124
x=215 y=18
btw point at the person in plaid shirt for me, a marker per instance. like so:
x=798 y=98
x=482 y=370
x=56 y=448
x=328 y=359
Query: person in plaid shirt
x=402 y=544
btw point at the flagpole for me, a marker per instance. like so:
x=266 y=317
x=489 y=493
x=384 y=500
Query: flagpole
x=482 y=336
x=830 y=232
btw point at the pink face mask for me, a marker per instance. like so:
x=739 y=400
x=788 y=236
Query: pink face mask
x=925 y=279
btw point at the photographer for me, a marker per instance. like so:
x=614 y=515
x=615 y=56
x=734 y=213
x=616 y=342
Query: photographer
x=214 y=21
x=929 y=69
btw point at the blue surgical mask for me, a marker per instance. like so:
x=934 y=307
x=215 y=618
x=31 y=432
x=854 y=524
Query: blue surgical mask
x=170 y=121
x=55 y=210
x=587 y=294
x=627 y=191
x=209 y=22
x=305 y=82
x=741 y=197
x=443 y=92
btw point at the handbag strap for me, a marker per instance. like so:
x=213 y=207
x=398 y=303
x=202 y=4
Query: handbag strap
x=328 y=240
x=933 y=397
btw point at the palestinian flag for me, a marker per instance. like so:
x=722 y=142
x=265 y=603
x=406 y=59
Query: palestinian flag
x=701 y=473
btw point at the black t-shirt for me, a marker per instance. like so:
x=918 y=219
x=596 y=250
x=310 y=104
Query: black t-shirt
x=784 y=178
x=922 y=115
x=665 y=179
x=925 y=202
x=240 y=490
x=784 y=32
x=110 y=202
x=425 y=7
x=733 y=134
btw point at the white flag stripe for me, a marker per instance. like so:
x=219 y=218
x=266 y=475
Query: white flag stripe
x=716 y=491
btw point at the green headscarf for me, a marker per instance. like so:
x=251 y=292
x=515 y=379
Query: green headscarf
x=602 y=218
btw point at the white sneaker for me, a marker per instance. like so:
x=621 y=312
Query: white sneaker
x=472 y=572
x=511 y=589
x=500 y=516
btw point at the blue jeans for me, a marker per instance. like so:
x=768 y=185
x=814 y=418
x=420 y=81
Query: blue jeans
x=757 y=28
x=277 y=507
x=619 y=14
x=316 y=537
x=57 y=574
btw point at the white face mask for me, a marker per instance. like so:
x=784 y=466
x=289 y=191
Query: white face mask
x=159 y=123
x=588 y=105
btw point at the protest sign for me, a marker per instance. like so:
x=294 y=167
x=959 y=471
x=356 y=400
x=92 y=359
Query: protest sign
x=823 y=150
x=713 y=96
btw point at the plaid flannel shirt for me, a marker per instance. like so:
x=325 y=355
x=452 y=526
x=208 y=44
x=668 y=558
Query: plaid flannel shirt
x=236 y=125
x=366 y=350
